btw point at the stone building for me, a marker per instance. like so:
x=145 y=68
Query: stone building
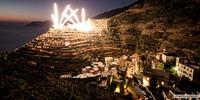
x=184 y=68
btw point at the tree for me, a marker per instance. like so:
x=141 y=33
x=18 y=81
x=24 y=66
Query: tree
x=186 y=85
x=172 y=79
x=153 y=83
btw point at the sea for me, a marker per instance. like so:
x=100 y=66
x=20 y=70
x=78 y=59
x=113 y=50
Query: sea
x=15 y=35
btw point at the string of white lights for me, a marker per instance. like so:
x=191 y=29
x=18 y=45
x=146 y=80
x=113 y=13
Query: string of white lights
x=70 y=19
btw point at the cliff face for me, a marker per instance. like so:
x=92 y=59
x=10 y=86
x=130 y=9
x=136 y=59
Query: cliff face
x=153 y=25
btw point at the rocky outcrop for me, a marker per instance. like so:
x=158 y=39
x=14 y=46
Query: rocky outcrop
x=39 y=24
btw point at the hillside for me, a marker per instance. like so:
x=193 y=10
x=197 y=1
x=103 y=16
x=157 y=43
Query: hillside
x=33 y=71
x=39 y=24
x=153 y=25
x=21 y=80
x=114 y=11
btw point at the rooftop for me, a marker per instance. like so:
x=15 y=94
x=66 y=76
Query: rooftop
x=157 y=61
x=187 y=62
x=158 y=73
x=170 y=54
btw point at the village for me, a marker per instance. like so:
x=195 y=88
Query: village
x=127 y=74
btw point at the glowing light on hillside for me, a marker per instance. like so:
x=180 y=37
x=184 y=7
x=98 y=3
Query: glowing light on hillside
x=69 y=19
x=145 y=81
x=126 y=83
x=117 y=90
x=175 y=68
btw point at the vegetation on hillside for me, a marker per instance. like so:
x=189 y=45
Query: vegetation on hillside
x=20 y=80
x=173 y=25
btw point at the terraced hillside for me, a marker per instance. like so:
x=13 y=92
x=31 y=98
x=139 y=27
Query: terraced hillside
x=33 y=71
x=153 y=25
x=147 y=25
x=70 y=49
x=72 y=44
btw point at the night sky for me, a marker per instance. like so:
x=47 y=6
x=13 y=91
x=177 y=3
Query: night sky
x=40 y=10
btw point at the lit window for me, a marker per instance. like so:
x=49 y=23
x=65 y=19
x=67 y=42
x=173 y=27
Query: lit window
x=162 y=83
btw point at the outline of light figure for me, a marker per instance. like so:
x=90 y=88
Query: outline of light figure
x=71 y=19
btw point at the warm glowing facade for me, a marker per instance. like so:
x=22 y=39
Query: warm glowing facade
x=186 y=70
x=145 y=81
